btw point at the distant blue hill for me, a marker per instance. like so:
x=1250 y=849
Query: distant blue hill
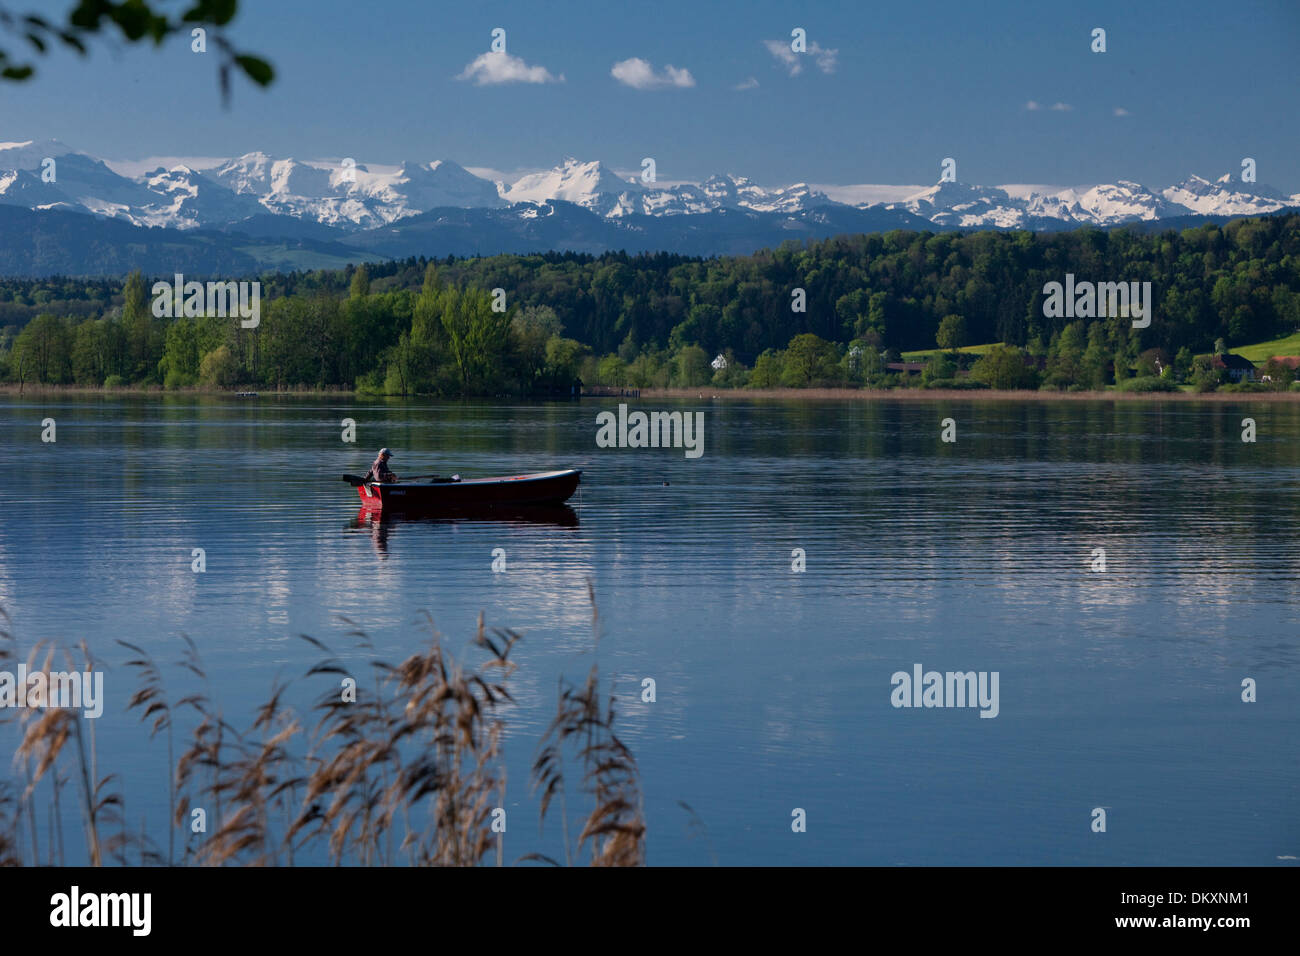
x=38 y=243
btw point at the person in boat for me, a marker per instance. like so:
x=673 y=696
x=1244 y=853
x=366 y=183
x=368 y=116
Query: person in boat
x=379 y=470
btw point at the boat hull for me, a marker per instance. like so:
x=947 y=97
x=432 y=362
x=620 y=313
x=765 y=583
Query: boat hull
x=542 y=488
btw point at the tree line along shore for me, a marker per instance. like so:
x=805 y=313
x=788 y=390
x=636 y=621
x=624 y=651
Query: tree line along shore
x=898 y=311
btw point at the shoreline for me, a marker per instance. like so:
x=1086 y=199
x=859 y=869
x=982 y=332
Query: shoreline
x=9 y=388
x=982 y=394
x=728 y=394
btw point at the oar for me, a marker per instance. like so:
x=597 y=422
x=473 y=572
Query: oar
x=357 y=481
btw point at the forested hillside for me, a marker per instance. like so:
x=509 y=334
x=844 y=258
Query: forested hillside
x=415 y=326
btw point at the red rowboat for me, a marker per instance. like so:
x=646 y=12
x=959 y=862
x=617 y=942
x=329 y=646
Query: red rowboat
x=544 y=487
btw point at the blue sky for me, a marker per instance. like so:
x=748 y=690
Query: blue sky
x=1203 y=85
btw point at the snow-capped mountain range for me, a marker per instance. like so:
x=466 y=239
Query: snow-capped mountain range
x=351 y=197
x=1109 y=204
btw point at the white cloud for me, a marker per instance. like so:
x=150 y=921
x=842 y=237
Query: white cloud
x=640 y=75
x=1033 y=105
x=491 y=69
x=749 y=84
x=784 y=55
x=1120 y=111
x=1062 y=107
x=826 y=60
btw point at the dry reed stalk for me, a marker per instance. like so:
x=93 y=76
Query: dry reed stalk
x=615 y=827
x=152 y=696
x=415 y=760
x=429 y=736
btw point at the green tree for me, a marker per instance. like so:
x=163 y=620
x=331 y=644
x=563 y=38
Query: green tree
x=218 y=369
x=1205 y=377
x=181 y=353
x=144 y=333
x=1280 y=374
x=952 y=332
x=530 y=329
x=399 y=367
x=854 y=362
x=691 y=367
x=769 y=369
x=1035 y=348
x=647 y=370
x=321 y=338
x=562 y=359
x=809 y=359
x=90 y=353
x=478 y=337
x=1003 y=367
x=43 y=351
x=1121 y=365
x=612 y=370
x=852 y=309
x=872 y=365
x=940 y=367
x=701 y=325
x=630 y=347
x=360 y=282
x=432 y=283
x=1096 y=359
x=135 y=313
x=1242 y=325
x=281 y=342
x=880 y=311
x=428 y=341
x=1065 y=364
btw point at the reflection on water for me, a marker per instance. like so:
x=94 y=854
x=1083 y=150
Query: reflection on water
x=1118 y=689
x=379 y=524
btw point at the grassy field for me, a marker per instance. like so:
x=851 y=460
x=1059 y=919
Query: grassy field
x=924 y=354
x=1257 y=353
x=1261 y=351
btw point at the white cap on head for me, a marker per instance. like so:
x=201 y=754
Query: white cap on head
x=385 y=453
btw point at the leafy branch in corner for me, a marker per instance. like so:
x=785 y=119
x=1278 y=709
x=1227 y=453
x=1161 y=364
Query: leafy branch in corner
x=136 y=21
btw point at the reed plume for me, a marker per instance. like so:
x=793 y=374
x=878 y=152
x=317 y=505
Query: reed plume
x=403 y=764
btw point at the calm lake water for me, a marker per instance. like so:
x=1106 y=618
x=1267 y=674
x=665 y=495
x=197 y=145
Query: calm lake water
x=1120 y=690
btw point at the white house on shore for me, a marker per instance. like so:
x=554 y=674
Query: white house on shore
x=1238 y=367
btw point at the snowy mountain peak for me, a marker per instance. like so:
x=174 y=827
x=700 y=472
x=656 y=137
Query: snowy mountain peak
x=250 y=173
x=945 y=195
x=1226 y=196
x=30 y=154
x=418 y=187
x=583 y=183
x=964 y=205
x=357 y=196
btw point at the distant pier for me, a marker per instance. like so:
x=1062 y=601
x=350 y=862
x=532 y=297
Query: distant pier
x=610 y=391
